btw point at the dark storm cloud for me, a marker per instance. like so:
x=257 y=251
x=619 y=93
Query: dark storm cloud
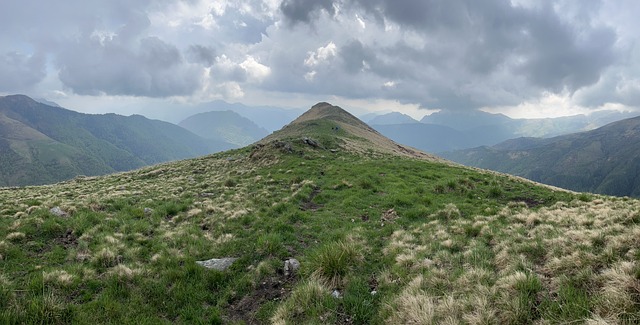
x=201 y=54
x=521 y=50
x=150 y=68
x=101 y=47
x=355 y=56
x=303 y=10
x=238 y=27
x=19 y=71
x=557 y=57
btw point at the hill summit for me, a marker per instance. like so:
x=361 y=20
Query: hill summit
x=333 y=128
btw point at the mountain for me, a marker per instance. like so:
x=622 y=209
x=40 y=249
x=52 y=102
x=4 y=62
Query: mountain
x=323 y=222
x=391 y=118
x=42 y=144
x=437 y=138
x=465 y=120
x=46 y=102
x=227 y=126
x=330 y=126
x=605 y=160
x=268 y=117
x=456 y=130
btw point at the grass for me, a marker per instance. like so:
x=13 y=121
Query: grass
x=400 y=240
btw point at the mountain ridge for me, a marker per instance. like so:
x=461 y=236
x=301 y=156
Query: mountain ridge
x=47 y=144
x=351 y=133
x=604 y=160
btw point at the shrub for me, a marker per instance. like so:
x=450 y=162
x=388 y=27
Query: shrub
x=332 y=262
x=495 y=192
x=230 y=182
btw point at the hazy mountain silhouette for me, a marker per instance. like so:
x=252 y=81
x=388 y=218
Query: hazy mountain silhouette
x=605 y=160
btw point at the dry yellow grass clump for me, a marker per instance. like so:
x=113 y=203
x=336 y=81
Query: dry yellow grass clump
x=556 y=257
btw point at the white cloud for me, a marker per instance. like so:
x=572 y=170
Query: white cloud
x=230 y=90
x=309 y=76
x=361 y=22
x=321 y=55
x=548 y=105
x=256 y=71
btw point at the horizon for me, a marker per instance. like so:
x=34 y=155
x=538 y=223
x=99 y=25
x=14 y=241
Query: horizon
x=358 y=112
x=522 y=59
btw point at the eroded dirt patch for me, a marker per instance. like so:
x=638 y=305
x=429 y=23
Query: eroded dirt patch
x=276 y=288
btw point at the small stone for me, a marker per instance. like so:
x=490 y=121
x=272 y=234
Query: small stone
x=58 y=212
x=219 y=264
x=373 y=293
x=291 y=266
x=148 y=211
x=336 y=294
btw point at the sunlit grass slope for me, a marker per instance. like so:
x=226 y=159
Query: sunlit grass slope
x=384 y=235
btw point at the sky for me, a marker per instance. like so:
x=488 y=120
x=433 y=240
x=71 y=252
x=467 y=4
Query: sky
x=524 y=58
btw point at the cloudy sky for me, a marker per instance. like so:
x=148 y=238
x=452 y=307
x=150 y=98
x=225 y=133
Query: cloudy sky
x=525 y=58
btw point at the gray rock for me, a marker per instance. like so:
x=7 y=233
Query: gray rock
x=148 y=211
x=311 y=142
x=219 y=264
x=56 y=211
x=284 y=146
x=336 y=294
x=291 y=266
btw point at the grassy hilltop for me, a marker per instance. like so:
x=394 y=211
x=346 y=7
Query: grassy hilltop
x=384 y=234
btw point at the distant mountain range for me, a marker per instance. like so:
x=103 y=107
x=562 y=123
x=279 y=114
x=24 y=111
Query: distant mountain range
x=391 y=118
x=605 y=160
x=226 y=125
x=42 y=144
x=453 y=130
x=269 y=118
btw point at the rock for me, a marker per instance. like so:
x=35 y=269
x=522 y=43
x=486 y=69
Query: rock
x=219 y=264
x=56 y=211
x=284 y=146
x=389 y=215
x=336 y=294
x=311 y=142
x=148 y=211
x=291 y=266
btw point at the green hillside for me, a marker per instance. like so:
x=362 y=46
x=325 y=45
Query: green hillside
x=42 y=144
x=605 y=160
x=384 y=234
